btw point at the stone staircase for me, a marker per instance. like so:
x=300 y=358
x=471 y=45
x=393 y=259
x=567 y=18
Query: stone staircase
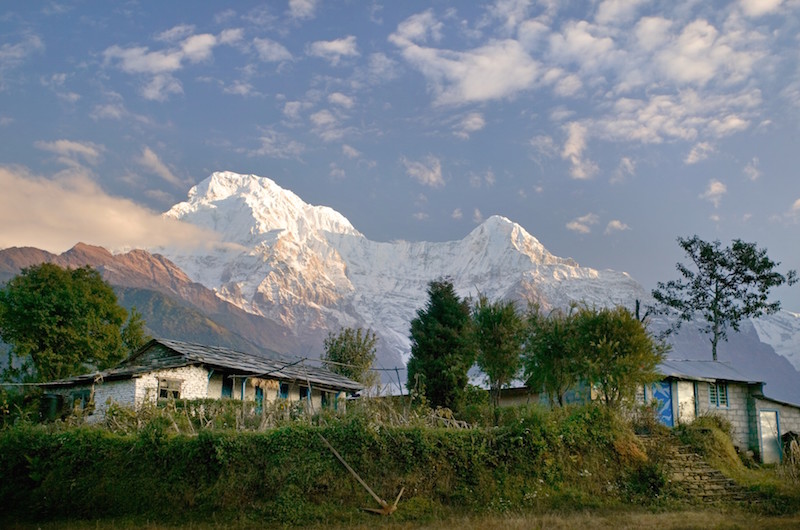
x=691 y=475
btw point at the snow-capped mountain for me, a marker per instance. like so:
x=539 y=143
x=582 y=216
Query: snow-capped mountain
x=307 y=267
x=782 y=332
x=309 y=270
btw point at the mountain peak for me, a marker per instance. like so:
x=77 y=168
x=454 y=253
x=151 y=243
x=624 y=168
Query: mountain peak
x=245 y=208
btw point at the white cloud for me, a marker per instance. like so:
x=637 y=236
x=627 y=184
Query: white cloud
x=652 y=33
x=617 y=12
x=497 y=70
x=150 y=161
x=796 y=207
x=582 y=43
x=615 y=225
x=302 y=9
x=419 y=27
x=573 y=151
x=714 y=192
x=231 y=36
x=198 y=48
x=291 y=109
x=176 y=33
x=757 y=8
x=70 y=152
x=140 y=60
x=471 y=123
x=477 y=180
x=458 y=214
x=544 y=145
x=751 y=169
x=55 y=214
x=700 y=53
x=427 y=172
x=337 y=98
x=699 y=152
x=12 y=55
x=161 y=65
x=420 y=216
x=381 y=68
x=160 y=87
x=625 y=169
x=240 y=88
x=278 y=145
x=333 y=50
x=511 y=13
x=336 y=172
x=477 y=216
x=350 y=152
x=583 y=224
x=323 y=118
x=686 y=115
x=271 y=51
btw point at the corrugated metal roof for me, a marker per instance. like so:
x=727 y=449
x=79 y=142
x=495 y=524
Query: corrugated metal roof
x=702 y=371
x=239 y=363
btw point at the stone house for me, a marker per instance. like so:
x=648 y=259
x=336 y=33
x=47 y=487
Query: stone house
x=690 y=389
x=173 y=369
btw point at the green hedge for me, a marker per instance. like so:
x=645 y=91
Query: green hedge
x=287 y=475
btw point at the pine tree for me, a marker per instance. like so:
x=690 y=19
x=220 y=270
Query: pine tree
x=442 y=349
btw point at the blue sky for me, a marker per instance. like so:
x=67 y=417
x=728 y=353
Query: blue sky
x=607 y=129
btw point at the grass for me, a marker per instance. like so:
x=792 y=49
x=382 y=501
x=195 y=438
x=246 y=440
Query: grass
x=617 y=520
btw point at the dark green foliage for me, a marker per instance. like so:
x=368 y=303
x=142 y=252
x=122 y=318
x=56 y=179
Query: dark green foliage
x=442 y=350
x=550 y=357
x=616 y=352
x=63 y=322
x=287 y=476
x=724 y=286
x=351 y=353
x=609 y=349
x=499 y=333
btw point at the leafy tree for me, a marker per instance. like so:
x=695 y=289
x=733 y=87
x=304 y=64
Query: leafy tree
x=441 y=346
x=351 y=353
x=134 y=335
x=63 y=322
x=550 y=358
x=616 y=352
x=499 y=334
x=724 y=286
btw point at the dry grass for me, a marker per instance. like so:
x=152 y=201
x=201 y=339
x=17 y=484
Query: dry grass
x=627 y=520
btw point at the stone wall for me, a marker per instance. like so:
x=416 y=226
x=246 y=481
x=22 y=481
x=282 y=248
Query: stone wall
x=736 y=411
x=194 y=383
x=788 y=415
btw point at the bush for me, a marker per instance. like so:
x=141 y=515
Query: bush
x=287 y=475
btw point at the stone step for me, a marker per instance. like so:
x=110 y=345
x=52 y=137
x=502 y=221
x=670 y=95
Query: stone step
x=692 y=475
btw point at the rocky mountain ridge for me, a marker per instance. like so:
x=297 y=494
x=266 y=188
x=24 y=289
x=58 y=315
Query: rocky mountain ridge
x=286 y=273
x=315 y=273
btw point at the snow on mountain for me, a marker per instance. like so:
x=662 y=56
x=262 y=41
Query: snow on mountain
x=307 y=267
x=781 y=331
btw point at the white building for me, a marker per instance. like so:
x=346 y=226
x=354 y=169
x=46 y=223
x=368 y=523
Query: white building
x=172 y=369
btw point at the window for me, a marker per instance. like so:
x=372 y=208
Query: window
x=81 y=399
x=330 y=400
x=284 y=391
x=169 y=388
x=227 y=386
x=304 y=394
x=259 y=399
x=718 y=394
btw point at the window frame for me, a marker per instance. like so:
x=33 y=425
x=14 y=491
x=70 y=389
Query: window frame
x=718 y=395
x=171 y=386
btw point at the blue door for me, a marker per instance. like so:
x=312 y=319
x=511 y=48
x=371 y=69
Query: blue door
x=662 y=393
